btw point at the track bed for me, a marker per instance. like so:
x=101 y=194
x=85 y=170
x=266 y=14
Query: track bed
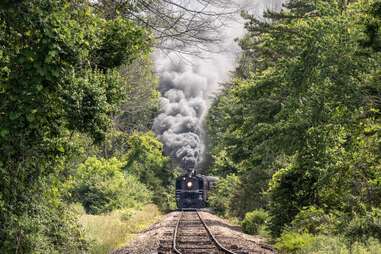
x=195 y=232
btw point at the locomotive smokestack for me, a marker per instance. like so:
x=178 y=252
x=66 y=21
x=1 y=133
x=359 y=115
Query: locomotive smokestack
x=191 y=172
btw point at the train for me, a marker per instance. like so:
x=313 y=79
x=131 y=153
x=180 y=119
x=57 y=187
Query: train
x=192 y=190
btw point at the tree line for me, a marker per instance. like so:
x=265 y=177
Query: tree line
x=78 y=95
x=296 y=135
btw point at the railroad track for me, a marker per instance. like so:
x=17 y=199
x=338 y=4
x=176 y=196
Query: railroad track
x=193 y=236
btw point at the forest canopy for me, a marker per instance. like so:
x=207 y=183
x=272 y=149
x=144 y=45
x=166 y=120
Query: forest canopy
x=300 y=124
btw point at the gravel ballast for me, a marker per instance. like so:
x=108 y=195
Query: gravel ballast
x=230 y=236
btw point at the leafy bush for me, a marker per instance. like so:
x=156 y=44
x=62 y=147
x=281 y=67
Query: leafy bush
x=329 y=244
x=341 y=234
x=292 y=242
x=101 y=186
x=305 y=243
x=146 y=161
x=254 y=220
x=311 y=219
x=360 y=228
x=47 y=226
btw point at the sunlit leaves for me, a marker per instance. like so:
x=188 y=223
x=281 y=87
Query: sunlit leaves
x=307 y=109
x=101 y=186
x=59 y=76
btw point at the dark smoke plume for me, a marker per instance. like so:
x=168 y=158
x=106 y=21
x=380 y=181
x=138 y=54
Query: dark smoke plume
x=185 y=89
x=186 y=85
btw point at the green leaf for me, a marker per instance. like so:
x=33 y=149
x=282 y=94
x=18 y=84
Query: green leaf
x=39 y=87
x=4 y=132
x=30 y=117
x=61 y=149
x=14 y=115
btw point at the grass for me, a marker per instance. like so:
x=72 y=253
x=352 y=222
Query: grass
x=304 y=243
x=116 y=229
x=335 y=245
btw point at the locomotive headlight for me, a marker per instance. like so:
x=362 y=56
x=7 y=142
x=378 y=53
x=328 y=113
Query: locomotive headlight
x=189 y=184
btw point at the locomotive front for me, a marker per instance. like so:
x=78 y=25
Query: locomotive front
x=191 y=191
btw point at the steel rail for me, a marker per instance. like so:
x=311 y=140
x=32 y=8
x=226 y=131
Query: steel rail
x=215 y=241
x=219 y=245
x=175 y=233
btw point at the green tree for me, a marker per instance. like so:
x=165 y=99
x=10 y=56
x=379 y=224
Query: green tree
x=303 y=112
x=146 y=161
x=142 y=102
x=53 y=83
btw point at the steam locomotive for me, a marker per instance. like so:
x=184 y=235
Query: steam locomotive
x=192 y=190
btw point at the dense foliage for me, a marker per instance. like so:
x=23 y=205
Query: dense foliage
x=60 y=82
x=300 y=126
x=222 y=198
x=145 y=160
x=101 y=186
x=253 y=221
